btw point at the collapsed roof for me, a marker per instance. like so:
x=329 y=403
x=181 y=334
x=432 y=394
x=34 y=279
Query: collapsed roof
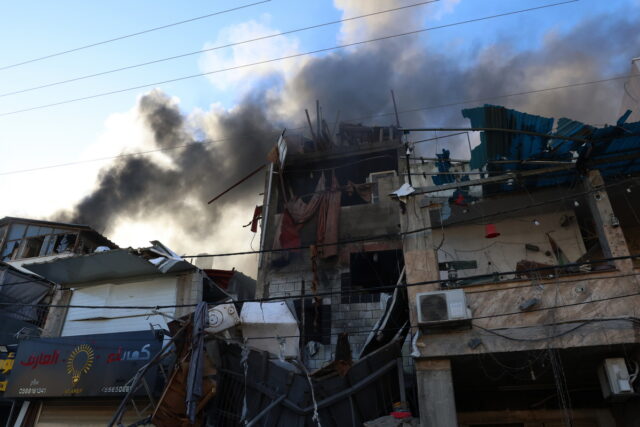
x=111 y=264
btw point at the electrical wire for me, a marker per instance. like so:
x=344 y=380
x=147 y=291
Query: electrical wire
x=353 y=291
x=266 y=37
x=419 y=230
x=297 y=55
x=412 y=110
x=126 y=36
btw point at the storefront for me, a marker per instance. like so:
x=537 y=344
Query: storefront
x=80 y=380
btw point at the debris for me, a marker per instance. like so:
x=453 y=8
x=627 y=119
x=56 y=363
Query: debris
x=262 y=321
x=404 y=190
x=222 y=317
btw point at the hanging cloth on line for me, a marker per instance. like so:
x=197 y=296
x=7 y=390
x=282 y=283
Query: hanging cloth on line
x=326 y=205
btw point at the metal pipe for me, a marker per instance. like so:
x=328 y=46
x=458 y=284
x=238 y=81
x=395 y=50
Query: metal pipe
x=329 y=400
x=518 y=131
x=266 y=410
x=236 y=184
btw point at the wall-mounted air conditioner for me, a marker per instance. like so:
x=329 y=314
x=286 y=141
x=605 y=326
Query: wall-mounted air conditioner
x=442 y=309
x=373 y=178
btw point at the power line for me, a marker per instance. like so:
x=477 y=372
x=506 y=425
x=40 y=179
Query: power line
x=297 y=55
x=584 y=323
x=412 y=110
x=170 y=58
x=391 y=287
x=419 y=230
x=162 y=27
x=124 y=155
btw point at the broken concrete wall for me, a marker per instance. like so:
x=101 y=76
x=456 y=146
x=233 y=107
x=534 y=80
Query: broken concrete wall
x=354 y=312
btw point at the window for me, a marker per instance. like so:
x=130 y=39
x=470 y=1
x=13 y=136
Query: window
x=31 y=247
x=29 y=241
x=317 y=321
x=368 y=271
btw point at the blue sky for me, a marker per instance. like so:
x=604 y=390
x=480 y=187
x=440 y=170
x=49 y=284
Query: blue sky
x=82 y=130
x=53 y=135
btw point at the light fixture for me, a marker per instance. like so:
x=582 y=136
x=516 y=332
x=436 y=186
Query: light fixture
x=628 y=189
x=576 y=203
x=536 y=222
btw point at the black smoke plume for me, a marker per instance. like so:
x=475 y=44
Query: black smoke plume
x=357 y=83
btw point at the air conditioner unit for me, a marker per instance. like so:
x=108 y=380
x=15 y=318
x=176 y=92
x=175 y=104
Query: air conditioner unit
x=443 y=309
x=373 y=179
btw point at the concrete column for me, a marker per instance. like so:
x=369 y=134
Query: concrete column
x=435 y=391
x=611 y=237
x=57 y=315
x=435 y=384
x=267 y=231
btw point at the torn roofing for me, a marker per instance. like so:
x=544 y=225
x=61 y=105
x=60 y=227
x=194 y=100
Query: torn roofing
x=22 y=275
x=110 y=265
x=101 y=240
x=609 y=141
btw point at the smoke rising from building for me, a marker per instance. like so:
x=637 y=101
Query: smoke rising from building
x=355 y=82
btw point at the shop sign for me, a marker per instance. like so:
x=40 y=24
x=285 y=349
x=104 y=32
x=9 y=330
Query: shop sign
x=87 y=365
x=6 y=365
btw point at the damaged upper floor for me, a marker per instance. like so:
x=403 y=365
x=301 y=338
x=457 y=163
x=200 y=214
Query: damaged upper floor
x=22 y=238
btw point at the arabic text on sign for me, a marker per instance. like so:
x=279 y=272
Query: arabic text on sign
x=7 y=364
x=42 y=359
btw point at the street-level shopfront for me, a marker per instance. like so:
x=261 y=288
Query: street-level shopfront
x=80 y=380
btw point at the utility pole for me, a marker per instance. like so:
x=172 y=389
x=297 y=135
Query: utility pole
x=435 y=383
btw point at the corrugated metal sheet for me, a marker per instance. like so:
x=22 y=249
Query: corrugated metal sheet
x=109 y=265
x=609 y=141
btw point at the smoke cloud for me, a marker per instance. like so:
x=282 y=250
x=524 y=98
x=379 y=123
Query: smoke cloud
x=355 y=82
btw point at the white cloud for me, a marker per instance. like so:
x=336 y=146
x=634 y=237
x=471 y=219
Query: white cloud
x=444 y=7
x=44 y=192
x=243 y=79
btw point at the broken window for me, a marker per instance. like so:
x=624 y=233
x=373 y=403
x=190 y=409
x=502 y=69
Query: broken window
x=10 y=250
x=65 y=243
x=356 y=175
x=29 y=241
x=31 y=247
x=316 y=322
x=368 y=273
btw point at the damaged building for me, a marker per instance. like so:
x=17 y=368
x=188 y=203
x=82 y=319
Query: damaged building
x=495 y=290
x=507 y=281
x=330 y=192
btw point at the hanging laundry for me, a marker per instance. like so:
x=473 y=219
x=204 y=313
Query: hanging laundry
x=326 y=205
x=444 y=165
x=363 y=190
